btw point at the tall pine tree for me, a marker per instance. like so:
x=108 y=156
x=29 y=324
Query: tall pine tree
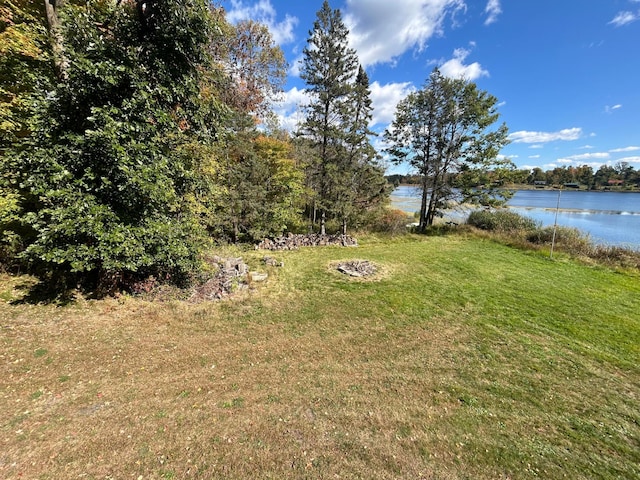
x=360 y=183
x=328 y=68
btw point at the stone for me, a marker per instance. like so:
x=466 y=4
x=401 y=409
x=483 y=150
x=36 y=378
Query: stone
x=258 y=276
x=272 y=262
x=357 y=268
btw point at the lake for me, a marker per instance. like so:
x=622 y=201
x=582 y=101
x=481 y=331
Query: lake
x=611 y=218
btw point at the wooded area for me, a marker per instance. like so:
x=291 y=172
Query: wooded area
x=137 y=133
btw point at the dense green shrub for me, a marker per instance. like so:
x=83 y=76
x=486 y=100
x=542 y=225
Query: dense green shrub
x=102 y=186
x=501 y=221
x=388 y=220
x=571 y=239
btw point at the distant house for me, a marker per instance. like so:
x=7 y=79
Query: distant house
x=571 y=185
x=614 y=182
x=539 y=183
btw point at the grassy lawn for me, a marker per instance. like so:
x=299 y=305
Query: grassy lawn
x=462 y=359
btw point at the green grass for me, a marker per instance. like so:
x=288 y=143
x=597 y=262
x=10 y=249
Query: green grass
x=461 y=359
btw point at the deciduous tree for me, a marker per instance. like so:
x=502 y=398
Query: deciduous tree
x=25 y=65
x=441 y=130
x=104 y=182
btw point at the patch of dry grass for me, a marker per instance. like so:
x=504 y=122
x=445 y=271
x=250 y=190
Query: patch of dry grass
x=313 y=375
x=114 y=390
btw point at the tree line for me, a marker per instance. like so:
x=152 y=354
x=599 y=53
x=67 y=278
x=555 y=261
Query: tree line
x=622 y=175
x=136 y=133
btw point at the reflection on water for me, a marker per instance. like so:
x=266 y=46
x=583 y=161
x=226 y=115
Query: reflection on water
x=608 y=217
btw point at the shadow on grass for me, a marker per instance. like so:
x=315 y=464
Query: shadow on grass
x=46 y=292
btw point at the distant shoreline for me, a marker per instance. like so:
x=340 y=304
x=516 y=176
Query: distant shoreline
x=547 y=188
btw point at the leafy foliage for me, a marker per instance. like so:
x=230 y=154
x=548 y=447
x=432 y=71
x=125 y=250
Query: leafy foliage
x=24 y=66
x=263 y=189
x=443 y=130
x=254 y=66
x=102 y=184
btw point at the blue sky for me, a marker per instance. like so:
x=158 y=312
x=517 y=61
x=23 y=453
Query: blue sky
x=566 y=72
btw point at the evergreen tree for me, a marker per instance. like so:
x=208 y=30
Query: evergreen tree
x=360 y=183
x=328 y=68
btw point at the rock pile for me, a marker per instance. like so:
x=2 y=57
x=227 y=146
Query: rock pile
x=357 y=268
x=231 y=276
x=295 y=241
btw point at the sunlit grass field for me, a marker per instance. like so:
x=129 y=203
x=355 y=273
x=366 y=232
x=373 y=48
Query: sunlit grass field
x=461 y=359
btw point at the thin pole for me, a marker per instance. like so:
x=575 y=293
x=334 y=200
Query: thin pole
x=555 y=224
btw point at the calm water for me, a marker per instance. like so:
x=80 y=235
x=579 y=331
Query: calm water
x=608 y=217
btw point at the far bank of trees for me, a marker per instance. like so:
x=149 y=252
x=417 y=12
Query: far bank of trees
x=621 y=175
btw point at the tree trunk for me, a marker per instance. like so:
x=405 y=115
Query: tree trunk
x=433 y=201
x=423 y=204
x=322 y=224
x=57 y=42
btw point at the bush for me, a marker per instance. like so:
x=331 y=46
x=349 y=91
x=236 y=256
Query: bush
x=389 y=221
x=570 y=239
x=501 y=221
x=613 y=255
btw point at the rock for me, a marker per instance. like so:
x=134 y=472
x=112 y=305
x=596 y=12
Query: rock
x=258 y=276
x=272 y=262
x=357 y=268
x=230 y=277
x=242 y=268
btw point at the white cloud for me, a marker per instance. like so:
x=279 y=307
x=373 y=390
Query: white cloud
x=584 y=156
x=534 y=156
x=385 y=98
x=524 y=136
x=290 y=108
x=625 y=149
x=455 y=67
x=296 y=65
x=493 y=10
x=263 y=12
x=610 y=109
x=624 y=18
x=382 y=30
